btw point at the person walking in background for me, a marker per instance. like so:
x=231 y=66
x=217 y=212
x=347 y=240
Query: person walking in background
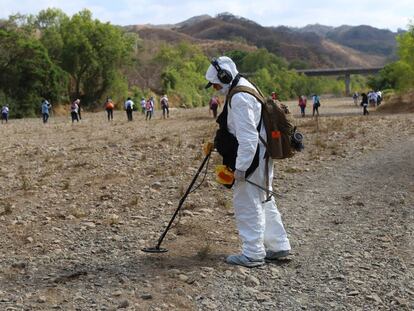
x=45 y=110
x=214 y=104
x=74 y=110
x=316 y=105
x=364 y=104
x=355 y=97
x=143 y=104
x=372 y=98
x=165 y=106
x=149 y=107
x=274 y=96
x=5 y=113
x=129 y=106
x=302 y=105
x=379 y=98
x=109 y=107
x=78 y=102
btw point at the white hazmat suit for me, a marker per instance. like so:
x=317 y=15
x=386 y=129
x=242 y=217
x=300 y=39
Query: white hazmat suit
x=259 y=223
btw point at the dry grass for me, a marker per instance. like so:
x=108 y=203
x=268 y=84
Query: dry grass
x=204 y=252
x=78 y=212
x=398 y=103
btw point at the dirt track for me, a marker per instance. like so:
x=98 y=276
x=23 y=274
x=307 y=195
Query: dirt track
x=78 y=203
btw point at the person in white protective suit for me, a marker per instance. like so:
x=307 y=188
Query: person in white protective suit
x=258 y=221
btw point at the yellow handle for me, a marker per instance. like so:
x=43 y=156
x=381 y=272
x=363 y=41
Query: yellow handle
x=208 y=148
x=224 y=175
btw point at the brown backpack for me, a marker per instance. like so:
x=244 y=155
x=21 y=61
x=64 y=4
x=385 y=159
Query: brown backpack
x=279 y=129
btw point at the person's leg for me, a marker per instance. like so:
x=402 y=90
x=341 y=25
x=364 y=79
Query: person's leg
x=107 y=114
x=163 y=112
x=249 y=219
x=168 y=111
x=275 y=237
x=112 y=114
x=79 y=114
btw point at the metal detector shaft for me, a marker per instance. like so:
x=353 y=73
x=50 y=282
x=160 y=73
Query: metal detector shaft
x=182 y=201
x=262 y=188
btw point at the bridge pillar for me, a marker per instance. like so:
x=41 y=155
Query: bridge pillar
x=347 y=84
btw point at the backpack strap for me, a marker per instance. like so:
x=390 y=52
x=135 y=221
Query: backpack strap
x=261 y=98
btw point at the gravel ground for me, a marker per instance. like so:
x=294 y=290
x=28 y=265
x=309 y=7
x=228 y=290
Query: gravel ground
x=80 y=201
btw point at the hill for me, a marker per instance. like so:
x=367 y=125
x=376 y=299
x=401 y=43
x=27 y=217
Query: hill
x=365 y=39
x=317 y=45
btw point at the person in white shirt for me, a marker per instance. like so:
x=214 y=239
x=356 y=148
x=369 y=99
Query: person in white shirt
x=4 y=114
x=372 y=98
x=143 y=104
x=165 y=106
x=129 y=106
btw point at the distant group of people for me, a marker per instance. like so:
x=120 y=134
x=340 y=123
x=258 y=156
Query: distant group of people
x=372 y=98
x=316 y=103
x=147 y=107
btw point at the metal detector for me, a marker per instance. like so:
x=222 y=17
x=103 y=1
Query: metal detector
x=157 y=248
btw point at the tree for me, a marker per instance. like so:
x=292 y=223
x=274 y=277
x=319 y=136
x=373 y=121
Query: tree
x=27 y=74
x=93 y=53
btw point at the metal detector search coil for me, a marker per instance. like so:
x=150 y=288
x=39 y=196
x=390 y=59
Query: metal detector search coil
x=154 y=250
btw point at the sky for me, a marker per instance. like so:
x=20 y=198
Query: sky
x=383 y=14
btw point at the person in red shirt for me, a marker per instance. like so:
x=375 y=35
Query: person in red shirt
x=302 y=105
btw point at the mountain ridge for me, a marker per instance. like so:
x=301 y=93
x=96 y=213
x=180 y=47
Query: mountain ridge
x=316 y=45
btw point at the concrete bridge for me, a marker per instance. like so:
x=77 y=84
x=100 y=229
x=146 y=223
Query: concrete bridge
x=340 y=72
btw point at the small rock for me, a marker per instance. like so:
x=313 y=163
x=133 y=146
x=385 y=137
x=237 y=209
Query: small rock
x=401 y=301
x=117 y=293
x=262 y=297
x=183 y=277
x=174 y=272
x=146 y=296
x=90 y=224
x=124 y=304
x=19 y=265
x=374 y=297
x=252 y=281
x=353 y=293
x=156 y=185
x=41 y=299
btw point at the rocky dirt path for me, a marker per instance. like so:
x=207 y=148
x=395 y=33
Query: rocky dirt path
x=79 y=202
x=352 y=229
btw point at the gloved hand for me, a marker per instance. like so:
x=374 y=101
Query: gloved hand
x=239 y=175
